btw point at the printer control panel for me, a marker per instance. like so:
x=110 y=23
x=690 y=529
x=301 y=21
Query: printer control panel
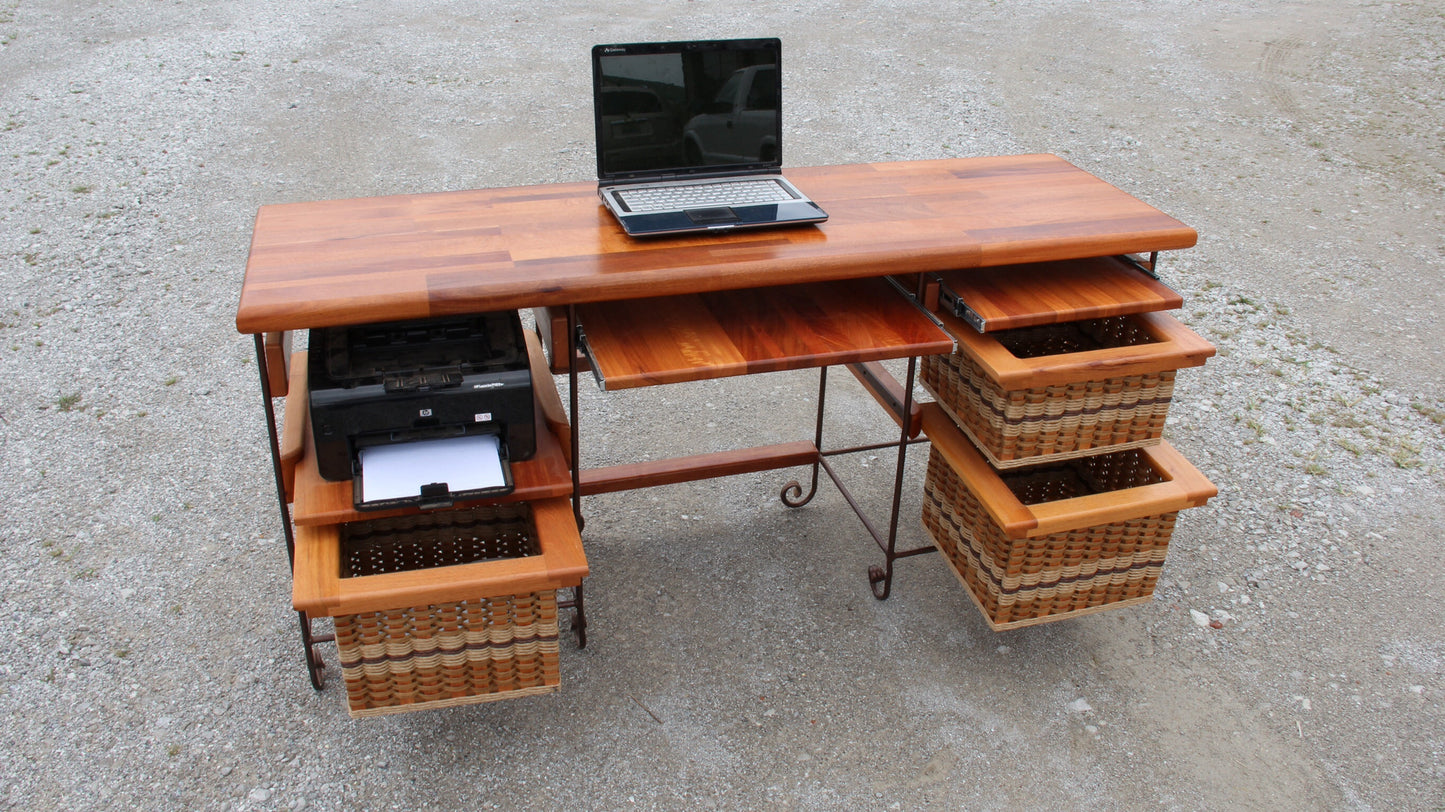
x=422 y=381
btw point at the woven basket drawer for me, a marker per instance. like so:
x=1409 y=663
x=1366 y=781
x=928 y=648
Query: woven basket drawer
x=1059 y=540
x=448 y=654
x=1059 y=391
x=440 y=609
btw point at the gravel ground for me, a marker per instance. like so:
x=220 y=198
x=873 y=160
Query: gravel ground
x=737 y=660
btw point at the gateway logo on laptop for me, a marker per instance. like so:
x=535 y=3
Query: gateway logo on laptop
x=689 y=137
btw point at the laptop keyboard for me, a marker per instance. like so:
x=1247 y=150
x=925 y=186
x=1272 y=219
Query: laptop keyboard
x=701 y=195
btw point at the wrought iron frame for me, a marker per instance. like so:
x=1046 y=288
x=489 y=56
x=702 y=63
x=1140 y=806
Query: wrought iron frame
x=880 y=578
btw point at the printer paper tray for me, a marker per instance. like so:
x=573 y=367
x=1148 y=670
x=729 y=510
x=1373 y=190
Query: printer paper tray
x=431 y=473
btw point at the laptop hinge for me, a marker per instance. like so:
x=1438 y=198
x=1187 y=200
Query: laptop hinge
x=702 y=174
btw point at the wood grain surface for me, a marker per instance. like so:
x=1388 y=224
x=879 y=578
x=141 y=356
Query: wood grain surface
x=416 y=256
x=1008 y=296
x=672 y=339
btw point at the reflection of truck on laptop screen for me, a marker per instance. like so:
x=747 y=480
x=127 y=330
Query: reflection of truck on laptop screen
x=638 y=131
x=739 y=124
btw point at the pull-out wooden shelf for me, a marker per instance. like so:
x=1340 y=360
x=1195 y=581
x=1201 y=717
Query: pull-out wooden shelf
x=673 y=339
x=320 y=501
x=1005 y=297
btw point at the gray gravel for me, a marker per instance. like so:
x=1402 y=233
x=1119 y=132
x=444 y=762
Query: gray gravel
x=737 y=660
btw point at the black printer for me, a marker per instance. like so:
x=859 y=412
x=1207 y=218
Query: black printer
x=415 y=381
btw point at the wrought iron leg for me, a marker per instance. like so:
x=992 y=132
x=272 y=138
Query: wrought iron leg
x=315 y=667
x=792 y=494
x=573 y=441
x=314 y=664
x=272 y=435
x=579 y=616
x=880 y=579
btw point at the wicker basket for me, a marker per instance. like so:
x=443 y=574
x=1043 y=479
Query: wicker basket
x=1059 y=391
x=1060 y=540
x=479 y=649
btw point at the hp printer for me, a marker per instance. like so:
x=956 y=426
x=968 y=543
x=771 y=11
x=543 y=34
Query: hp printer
x=417 y=382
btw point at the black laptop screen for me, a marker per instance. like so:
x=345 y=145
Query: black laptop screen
x=684 y=108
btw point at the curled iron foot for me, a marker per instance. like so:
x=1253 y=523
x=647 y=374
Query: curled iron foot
x=316 y=669
x=579 y=617
x=315 y=666
x=880 y=581
x=793 y=496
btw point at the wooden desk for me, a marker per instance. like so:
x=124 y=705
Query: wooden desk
x=414 y=256
x=417 y=256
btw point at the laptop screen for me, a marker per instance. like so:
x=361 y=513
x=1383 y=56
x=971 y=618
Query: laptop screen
x=680 y=108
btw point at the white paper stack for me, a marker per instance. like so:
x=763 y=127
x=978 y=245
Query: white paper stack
x=399 y=471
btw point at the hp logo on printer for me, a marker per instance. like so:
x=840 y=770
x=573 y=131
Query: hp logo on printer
x=424 y=413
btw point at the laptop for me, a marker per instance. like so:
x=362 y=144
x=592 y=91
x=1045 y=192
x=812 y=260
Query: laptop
x=689 y=137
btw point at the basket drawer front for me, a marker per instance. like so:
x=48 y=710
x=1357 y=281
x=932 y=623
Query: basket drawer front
x=1023 y=426
x=449 y=654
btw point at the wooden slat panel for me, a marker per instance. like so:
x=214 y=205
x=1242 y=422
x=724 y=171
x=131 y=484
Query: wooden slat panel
x=1009 y=296
x=278 y=356
x=295 y=424
x=642 y=342
x=548 y=401
x=552 y=328
x=413 y=256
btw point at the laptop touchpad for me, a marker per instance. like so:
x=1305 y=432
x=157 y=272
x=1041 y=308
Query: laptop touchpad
x=721 y=214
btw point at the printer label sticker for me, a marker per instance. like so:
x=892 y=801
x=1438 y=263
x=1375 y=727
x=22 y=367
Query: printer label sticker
x=484 y=417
